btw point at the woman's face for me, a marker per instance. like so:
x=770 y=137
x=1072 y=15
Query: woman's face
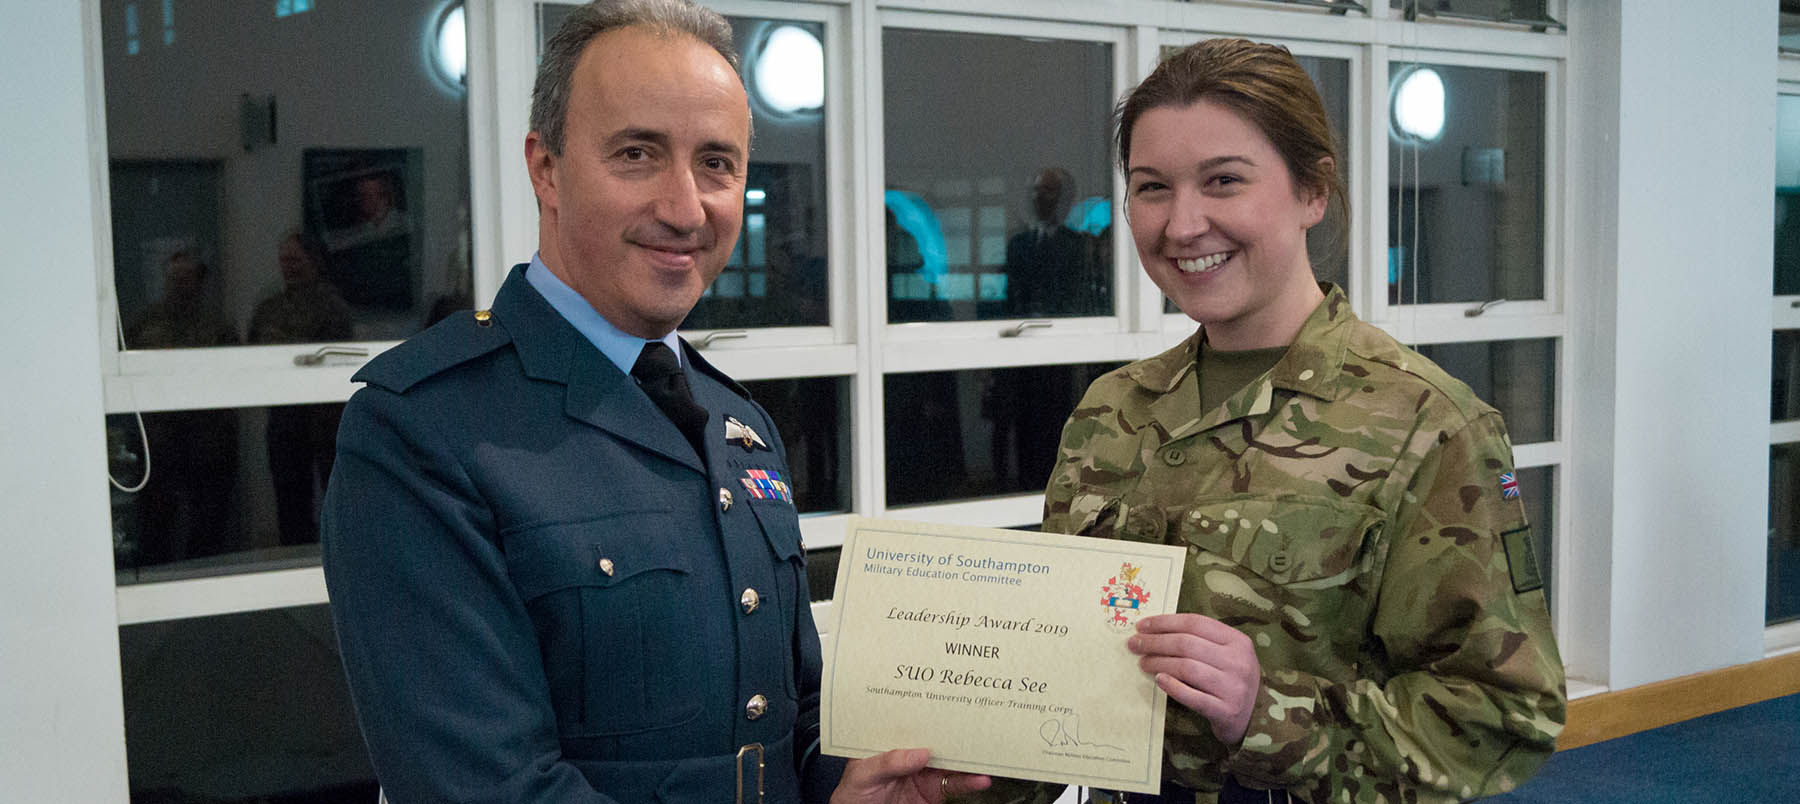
x=1220 y=226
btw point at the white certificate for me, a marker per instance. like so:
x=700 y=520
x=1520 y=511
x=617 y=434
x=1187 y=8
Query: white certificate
x=1001 y=651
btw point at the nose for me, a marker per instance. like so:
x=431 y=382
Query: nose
x=1189 y=216
x=678 y=201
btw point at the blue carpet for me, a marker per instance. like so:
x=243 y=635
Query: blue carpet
x=1748 y=754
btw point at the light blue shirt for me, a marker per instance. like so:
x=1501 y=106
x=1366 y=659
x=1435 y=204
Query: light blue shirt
x=619 y=346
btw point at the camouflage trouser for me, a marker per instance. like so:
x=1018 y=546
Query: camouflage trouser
x=1233 y=793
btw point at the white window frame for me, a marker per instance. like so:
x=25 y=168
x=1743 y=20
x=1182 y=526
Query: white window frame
x=859 y=344
x=1784 y=314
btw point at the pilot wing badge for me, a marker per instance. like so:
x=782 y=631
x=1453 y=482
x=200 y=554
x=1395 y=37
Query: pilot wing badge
x=739 y=433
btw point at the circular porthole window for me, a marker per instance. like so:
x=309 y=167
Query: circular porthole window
x=451 y=46
x=1418 y=106
x=789 y=71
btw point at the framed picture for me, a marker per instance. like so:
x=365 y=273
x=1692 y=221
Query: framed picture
x=364 y=205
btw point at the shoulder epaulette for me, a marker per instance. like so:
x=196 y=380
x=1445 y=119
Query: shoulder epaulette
x=450 y=343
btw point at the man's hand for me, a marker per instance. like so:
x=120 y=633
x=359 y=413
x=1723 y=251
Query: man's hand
x=1205 y=665
x=900 y=777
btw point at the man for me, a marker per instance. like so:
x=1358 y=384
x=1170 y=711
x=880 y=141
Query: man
x=547 y=586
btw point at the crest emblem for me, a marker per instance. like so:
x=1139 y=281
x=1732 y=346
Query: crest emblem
x=739 y=433
x=1123 y=597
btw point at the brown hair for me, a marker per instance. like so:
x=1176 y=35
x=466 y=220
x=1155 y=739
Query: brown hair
x=1259 y=81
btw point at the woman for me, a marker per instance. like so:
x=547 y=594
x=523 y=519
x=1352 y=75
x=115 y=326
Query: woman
x=1360 y=619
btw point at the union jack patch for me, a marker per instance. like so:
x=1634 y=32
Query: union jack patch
x=1509 y=486
x=766 y=484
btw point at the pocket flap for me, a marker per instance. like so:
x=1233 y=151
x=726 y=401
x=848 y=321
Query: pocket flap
x=1286 y=540
x=601 y=552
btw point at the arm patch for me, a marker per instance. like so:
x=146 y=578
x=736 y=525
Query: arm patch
x=1522 y=560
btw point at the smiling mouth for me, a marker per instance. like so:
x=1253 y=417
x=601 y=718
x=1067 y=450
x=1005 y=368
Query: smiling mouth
x=1206 y=264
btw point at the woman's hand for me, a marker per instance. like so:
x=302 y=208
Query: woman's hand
x=900 y=777
x=1205 y=665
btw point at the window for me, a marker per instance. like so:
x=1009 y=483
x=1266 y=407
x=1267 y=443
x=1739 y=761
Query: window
x=929 y=275
x=1784 y=449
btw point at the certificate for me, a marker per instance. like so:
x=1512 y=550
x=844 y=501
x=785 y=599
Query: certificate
x=1001 y=651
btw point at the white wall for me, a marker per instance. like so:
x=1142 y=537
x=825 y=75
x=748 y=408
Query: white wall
x=1673 y=290
x=61 y=721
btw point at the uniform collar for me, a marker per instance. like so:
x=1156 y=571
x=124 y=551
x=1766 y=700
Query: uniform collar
x=1313 y=365
x=619 y=346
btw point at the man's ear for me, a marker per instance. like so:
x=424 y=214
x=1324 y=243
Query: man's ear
x=541 y=165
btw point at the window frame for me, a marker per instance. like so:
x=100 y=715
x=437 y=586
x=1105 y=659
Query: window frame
x=1784 y=314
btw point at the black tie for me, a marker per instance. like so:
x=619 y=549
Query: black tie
x=659 y=374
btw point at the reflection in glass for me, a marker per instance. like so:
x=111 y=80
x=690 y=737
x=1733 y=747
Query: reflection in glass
x=241 y=708
x=777 y=276
x=227 y=488
x=813 y=417
x=1537 y=490
x=1517 y=377
x=1784 y=390
x=1327 y=244
x=1787 y=195
x=998 y=200
x=962 y=434
x=200 y=242
x=1784 y=534
x=821 y=572
x=1466 y=210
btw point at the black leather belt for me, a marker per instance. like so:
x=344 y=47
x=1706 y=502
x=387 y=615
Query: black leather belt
x=1231 y=793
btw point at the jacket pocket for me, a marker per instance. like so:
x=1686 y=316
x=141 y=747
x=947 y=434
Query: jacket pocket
x=1296 y=574
x=606 y=597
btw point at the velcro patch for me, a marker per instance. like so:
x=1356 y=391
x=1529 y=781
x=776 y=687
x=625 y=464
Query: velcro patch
x=1522 y=560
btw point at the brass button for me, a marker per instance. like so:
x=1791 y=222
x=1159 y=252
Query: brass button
x=1280 y=561
x=724 y=499
x=756 y=707
x=606 y=566
x=1173 y=456
x=750 y=600
x=484 y=318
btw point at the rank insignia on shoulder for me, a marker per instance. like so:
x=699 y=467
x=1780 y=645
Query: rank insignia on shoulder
x=766 y=484
x=739 y=433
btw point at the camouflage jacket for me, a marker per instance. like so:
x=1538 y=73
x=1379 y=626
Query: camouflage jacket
x=1346 y=512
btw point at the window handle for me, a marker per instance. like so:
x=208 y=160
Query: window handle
x=1482 y=307
x=723 y=335
x=318 y=357
x=1019 y=329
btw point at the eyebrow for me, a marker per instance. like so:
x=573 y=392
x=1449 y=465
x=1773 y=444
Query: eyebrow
x=1204 y=165
x=662 y=139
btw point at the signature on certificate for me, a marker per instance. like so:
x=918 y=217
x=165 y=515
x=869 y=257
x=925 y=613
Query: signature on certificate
x=1066 y=731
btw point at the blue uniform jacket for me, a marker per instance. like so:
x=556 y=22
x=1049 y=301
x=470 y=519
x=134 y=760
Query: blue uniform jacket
x=540 y=591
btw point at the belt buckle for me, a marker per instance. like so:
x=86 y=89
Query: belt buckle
x=752 y=748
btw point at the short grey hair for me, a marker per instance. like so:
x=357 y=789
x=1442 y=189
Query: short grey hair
x=556 y=72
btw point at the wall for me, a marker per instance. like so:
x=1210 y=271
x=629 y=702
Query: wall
x=61 y=724
x=1674 y=278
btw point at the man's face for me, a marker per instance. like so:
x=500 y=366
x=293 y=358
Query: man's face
x=641 y=210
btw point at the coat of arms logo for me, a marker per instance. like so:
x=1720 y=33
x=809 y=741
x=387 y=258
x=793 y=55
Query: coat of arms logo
x=1123 y=597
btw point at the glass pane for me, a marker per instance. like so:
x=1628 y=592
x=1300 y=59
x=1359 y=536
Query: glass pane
x=1784 y=391
x=1465 y=185
x=227 y=488
x=1789 y=30
x=777 y=276
x=954 y=435
x=1502 y=10
x=987 y=217
x=1537 y=489
x=1784 y=533
x=1517 y=377
x=1328 y=244
x=331 y=203
x=241 y=708
x=821 y=572
x=813 y=417
x=1787 y=195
